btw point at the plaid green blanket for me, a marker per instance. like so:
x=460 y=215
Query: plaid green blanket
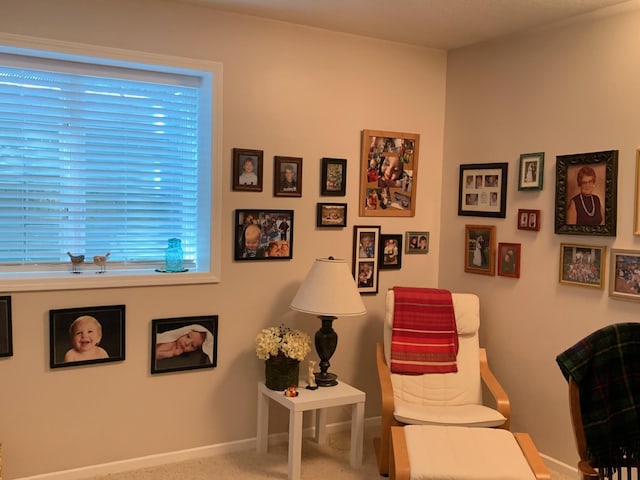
x=606 y=367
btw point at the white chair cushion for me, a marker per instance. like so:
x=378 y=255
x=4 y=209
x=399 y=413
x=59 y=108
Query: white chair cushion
x=461 y=453
x=459 y=415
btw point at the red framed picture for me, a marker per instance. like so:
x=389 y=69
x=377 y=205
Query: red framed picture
x=509 y=259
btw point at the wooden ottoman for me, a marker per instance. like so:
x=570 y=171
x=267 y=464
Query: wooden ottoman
x=434 y=452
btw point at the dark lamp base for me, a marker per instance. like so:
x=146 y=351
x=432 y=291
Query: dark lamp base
x=326 y=379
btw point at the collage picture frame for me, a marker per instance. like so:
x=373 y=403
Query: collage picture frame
x=263 y=234
x=365 y=268
x=482 y=190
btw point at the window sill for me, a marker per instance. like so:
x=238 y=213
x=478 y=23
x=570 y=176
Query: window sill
x=50 y=281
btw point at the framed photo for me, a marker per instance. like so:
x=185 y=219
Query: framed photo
x=186 y=343
x=530 y=174
x=624 y=279
x=247 y=170
x=416 y=242
x=366 y=241
x=586 y=193
x=636 y=219
x=287 y=177
x=331 y=215
x=390 y=252
x=388 y=174
x=6 y=336
x=263 y=235
x=480 y=249
x=528 y=219
x=582 y=265
x=333 y=177
x=86 y=335
x=482 y=191
x=509 y=259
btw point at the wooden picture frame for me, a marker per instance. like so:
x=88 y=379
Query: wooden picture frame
x=187 y=343
x=287 y=176
x=509 y=259
x=636 y=218
x=624 y=277
x=582 y=265
x=247 y=170
x=331 y=215
x=480 y=249
x=86 y=335
x=388 y=173
x=528 y=219
x=333 y=177
x=589 y=207
x=366 y=241
x=531 y=171
x=263 y=235
x=6 y=331
x=482 y=190
x=390 y=252
x=416 y=243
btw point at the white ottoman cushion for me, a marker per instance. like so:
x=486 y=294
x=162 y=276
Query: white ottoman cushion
x=456 y=453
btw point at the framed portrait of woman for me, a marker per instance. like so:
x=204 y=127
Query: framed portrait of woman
x=586 y=193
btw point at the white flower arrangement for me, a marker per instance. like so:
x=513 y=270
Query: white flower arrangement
x=282 y=341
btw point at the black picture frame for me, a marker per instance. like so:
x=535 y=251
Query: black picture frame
x=571 y=168
x=282 y=186
x=275 y=242
x=531 y=171
x=247 y=183
x=366 y=241
x=390 y=252
x=166 y=331
x=333 y=177
x=6 y=332
x=331 y=215
x=482 y=190
x=105 y=336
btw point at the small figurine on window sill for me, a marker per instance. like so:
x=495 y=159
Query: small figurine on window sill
x=101 y=261
x=76 y=261
x=311 y=378
x=291 y=391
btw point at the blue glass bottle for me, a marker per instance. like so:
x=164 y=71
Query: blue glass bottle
x=174 y=257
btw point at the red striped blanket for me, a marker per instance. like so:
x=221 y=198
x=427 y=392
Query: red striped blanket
x=424 y=338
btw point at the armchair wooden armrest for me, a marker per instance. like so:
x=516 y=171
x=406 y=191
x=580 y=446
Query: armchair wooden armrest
x=496 y=390
x=533 y=457
x=383 y=443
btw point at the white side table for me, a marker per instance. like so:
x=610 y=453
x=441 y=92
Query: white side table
x=319 y=400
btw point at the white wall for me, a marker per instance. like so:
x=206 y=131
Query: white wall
x=288 y=91
x=569 y=89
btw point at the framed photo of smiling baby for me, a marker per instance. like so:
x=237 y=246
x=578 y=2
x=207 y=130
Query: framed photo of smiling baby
x=86 y=335
x=388 y=173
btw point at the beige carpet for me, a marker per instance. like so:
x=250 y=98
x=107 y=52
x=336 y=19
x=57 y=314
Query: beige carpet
x=319 y=462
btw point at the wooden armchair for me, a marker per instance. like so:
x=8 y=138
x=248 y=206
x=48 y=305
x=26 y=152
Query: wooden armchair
x=440 y=399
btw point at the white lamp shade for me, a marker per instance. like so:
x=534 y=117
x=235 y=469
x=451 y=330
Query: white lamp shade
x=329 y=289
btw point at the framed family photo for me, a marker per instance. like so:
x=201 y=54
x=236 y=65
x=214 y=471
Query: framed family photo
x=531 y=170
x=366 y=241
x=388 y=174
x=86 y=335
x=416 y=242
x=247 y=170
x=528 y=219
x=480 y=249
x=482 y=190
x=6 y=335
x=287 y=177
x=586 y=193
x=333 y=177
x=390 y=252
x=624 y=279
x=636 y=219
x=331 y=215
x=187 y=343
x=582 y=265
x=509 y=259
x=263 y=235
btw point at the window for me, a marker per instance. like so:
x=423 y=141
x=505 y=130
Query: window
x=106 y=156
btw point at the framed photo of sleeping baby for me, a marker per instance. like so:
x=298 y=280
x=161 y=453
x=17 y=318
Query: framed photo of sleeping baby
x=86 y=335
x=187 y=343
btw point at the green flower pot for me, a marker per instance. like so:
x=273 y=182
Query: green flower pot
x=281 y=372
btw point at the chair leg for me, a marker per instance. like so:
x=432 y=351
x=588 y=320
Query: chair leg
x=382 y=446
x=399 y=468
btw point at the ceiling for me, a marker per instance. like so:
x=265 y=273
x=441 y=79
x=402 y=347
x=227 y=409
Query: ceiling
x=442 y=24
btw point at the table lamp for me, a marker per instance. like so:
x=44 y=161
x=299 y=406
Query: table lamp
x=329 y=291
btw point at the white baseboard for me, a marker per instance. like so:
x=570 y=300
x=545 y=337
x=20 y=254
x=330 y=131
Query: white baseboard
x=181 y=455
x=560 y=467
